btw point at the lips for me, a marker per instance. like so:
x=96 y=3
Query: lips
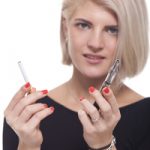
x=92 y=56
x=93 y=59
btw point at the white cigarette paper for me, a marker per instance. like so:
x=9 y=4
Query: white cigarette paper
x=23 y=71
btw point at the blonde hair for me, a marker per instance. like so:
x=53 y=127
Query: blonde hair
x=132 y=45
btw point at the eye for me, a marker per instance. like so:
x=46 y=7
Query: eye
x=83 y=25
x=112 y=30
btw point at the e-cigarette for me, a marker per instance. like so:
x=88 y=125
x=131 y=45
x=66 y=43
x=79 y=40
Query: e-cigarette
x=111 y=74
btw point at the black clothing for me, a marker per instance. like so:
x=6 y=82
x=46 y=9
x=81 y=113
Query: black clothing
x=63 y=131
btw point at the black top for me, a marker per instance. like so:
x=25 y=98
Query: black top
x=63 y=131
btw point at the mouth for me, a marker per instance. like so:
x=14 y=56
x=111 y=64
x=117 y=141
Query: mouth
x=93 y=59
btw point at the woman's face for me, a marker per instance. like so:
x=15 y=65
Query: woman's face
x=92 y=37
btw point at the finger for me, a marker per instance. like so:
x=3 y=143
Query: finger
x=91 y=110
x=28 y=100
x=104 y=106
x=39 y=116
x=85 y=121
x=17 y=97
x=109 y=96
x=33 y=89
x=30 y=110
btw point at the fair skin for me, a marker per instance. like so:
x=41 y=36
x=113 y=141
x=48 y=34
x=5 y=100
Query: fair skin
x=92 y=40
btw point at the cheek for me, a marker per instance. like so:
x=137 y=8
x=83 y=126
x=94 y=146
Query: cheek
x=73 y=46
x=111 y=44
x=76 y=41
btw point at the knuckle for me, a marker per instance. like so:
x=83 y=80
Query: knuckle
x=93 y=111
x=28 y=110
x=23 y=103
x=107 y=109
x=37 y=116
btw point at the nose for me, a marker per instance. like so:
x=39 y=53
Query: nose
x=96 y=41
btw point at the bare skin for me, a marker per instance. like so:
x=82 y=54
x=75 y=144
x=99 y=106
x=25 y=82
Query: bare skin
x=72 y=101
x=125 y=97
x=24 y=116
x=92 y=39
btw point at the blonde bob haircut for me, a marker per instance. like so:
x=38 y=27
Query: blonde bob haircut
x=132 y=20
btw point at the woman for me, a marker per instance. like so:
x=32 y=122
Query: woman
x=94 y=33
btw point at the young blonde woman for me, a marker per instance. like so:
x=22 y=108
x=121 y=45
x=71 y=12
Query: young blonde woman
x=94 y=33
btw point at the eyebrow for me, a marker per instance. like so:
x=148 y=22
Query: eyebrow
x=83 y=20
x=90 y=23
x=114 y=26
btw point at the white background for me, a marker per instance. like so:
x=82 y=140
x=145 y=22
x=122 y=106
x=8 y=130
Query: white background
x=29 y=31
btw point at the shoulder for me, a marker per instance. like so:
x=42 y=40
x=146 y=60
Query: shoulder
x=140 y=105
x=133 y=105
x=58 y=93
x=136 y=116
x=133 y=129
x=127 y=96
x=54 y=96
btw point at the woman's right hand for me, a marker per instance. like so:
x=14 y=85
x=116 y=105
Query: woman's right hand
x=24 y=116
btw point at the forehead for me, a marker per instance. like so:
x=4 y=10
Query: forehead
x=91 y=10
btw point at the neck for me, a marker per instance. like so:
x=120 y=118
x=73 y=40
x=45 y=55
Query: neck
x=78 y=85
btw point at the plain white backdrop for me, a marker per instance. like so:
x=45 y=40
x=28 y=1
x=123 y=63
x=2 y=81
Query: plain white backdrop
x=29 y=31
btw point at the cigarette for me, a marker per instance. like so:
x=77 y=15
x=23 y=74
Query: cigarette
x=23 y=71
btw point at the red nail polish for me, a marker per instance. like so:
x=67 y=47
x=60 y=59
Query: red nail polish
x=44 y=92
x=81 y=98
x=52 y=109
x=91 y=89
x=27 y=85
x=106 y=90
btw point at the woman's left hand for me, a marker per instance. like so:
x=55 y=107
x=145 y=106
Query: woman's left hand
x=98 y=125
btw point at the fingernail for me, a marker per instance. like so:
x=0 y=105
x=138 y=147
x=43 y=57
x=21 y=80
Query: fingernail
x=81 y=98
x=52 y=109
x=106 y=90
x=91 y=89
x=44 y=92
x=27 y=85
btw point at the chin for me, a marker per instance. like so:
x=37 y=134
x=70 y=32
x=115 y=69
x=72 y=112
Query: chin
x=92 y=73
x=97 y=76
